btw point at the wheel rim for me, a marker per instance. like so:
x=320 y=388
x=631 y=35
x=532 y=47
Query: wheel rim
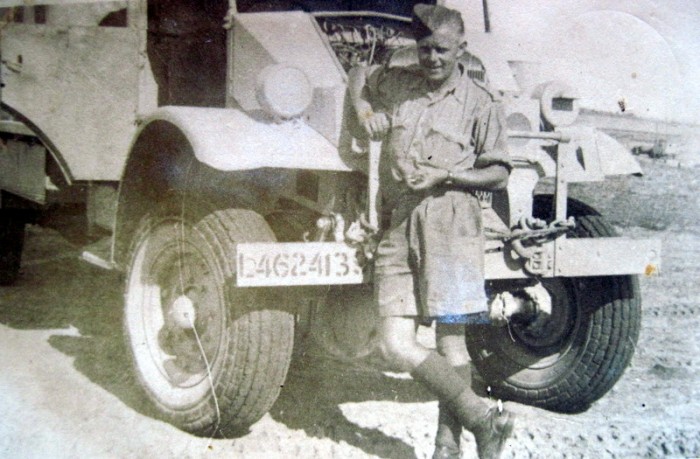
x=543 y=345
x=175 y=314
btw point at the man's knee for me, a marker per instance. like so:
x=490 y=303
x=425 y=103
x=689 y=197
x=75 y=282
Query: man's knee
x=450 y=341
x=393 y=355
x=400 y=351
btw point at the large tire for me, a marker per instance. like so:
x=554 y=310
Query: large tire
x=11 y=245
x=578 y=355
x=182 y=264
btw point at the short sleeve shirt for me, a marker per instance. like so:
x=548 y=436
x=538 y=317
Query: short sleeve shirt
x=460 y=126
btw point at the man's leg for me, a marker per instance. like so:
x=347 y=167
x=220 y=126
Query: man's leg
x=396 y=300
x=402 y=351
x=491 y=428
x=451 y=344
x=398 y=344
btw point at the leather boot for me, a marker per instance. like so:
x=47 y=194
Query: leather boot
x=491 y=436
x=490 y=428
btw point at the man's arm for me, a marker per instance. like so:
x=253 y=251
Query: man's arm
x=491 y=140
x=374 y=124
x=489 y=178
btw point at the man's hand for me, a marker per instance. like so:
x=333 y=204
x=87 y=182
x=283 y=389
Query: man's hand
x=426 y=178
x=375 y=124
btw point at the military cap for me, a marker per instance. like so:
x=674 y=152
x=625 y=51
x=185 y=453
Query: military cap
x=429 y=18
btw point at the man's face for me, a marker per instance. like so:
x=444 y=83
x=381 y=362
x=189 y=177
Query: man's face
x=438 y=53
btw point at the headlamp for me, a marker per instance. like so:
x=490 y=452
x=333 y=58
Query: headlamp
x=284 y=91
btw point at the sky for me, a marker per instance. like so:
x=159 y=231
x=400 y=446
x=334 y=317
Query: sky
x=643 y=52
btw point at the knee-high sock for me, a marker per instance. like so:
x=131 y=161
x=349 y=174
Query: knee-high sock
x=449 y=430
x=456 y=394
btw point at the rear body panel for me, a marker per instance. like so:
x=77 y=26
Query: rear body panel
x=78 y=85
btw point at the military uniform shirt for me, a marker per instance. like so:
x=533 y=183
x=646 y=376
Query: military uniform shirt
x=458 y=127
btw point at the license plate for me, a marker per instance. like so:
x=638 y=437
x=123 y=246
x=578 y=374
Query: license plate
x=297 y=263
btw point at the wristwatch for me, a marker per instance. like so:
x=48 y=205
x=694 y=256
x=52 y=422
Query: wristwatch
x=450 y=178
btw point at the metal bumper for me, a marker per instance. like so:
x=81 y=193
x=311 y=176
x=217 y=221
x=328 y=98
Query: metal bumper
x=564 y=257
x=330 y=263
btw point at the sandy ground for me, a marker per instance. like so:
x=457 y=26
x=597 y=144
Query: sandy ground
x=67 y=390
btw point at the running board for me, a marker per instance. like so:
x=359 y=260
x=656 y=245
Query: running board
x=99 y=253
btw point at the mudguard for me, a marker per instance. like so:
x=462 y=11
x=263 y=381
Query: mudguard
x=228 y=139
x=591 y=155
x=225 y=140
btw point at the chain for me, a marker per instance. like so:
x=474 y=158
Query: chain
x=526 y=231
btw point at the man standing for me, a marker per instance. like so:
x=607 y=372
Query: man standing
x=445 y=139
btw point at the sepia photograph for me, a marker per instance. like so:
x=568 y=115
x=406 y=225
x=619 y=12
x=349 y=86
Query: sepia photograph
x=422 y=229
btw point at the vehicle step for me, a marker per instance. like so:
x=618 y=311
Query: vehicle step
x=99 y=253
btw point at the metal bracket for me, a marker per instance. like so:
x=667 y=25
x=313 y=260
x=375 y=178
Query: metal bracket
x=540 y=263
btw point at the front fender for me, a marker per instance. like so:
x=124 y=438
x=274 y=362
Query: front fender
x=591 y=155
x=229 y=139
x=197 y=150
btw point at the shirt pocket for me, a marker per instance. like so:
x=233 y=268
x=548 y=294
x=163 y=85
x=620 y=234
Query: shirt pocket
x=446 y=147
x=452 y=132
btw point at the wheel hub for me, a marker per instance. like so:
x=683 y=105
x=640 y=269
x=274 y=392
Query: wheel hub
x=190 y=331
x=531 y=306
x=183 y=312
x=553 y=324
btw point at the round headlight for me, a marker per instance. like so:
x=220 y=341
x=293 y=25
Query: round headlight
x=284 y=91
x=558 y=103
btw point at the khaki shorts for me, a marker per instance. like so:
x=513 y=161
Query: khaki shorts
x=429 y=262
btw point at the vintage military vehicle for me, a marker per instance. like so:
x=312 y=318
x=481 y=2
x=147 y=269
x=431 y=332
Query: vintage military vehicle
x=213 y=140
